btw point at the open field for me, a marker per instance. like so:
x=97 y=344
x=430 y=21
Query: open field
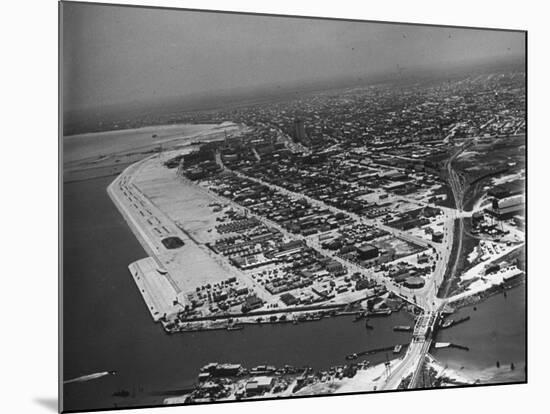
x=187 y=267
x=184 y=203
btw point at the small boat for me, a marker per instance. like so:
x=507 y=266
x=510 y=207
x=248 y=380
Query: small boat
x=381 y=312
x=447 y=323
x=397 y=349
x=359 y=316
x=402 y=328
x=352 y=356
x=121 y=393
x=234 y=327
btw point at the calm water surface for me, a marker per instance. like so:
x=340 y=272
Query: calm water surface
x=495 y=332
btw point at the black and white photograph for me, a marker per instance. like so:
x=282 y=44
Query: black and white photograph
x=262 y=206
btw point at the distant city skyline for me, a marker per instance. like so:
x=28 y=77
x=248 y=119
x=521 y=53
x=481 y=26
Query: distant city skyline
x=114 y=55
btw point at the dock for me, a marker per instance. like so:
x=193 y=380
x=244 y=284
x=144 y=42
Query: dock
x=450 y=322
x=158 y=293
x=441 y=345
x=376 y=351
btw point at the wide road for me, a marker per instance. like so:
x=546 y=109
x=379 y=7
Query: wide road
x=458 y=190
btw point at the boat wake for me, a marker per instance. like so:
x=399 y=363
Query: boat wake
x=90 y=377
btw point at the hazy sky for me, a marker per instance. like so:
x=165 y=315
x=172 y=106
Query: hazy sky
x=114 y=55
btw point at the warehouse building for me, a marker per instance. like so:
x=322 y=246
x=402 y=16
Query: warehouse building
x=507 y=207
x=367 y=251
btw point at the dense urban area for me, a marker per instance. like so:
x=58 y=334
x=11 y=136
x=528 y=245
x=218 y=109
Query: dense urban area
x=374 y=199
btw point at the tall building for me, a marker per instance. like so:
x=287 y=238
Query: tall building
x=300 y=132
